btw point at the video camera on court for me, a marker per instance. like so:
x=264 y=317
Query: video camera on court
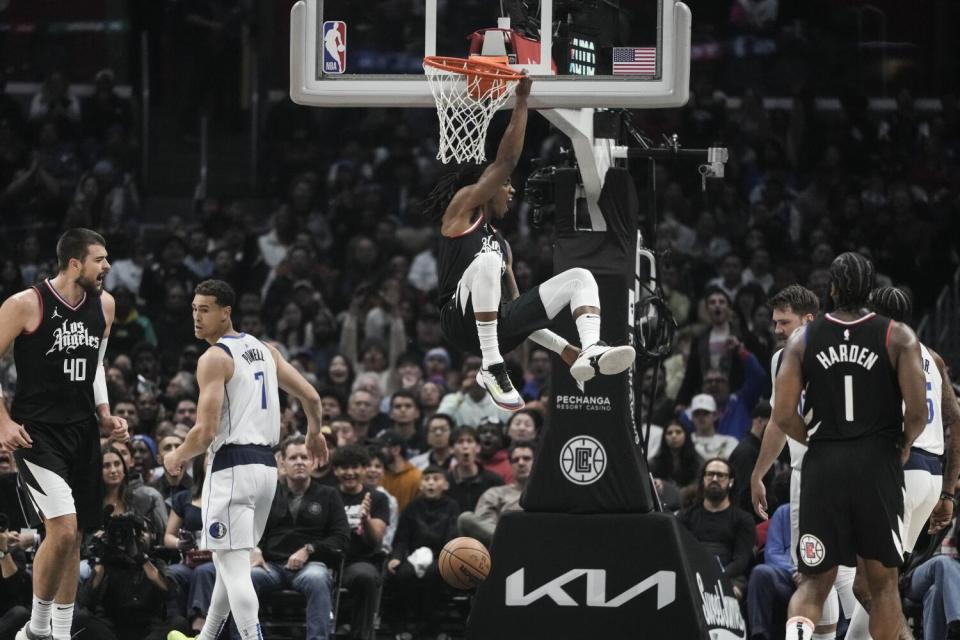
x=123 y=543
x=548 y=186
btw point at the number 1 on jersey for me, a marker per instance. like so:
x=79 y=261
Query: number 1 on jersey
x=259 y=375
x=848 y=397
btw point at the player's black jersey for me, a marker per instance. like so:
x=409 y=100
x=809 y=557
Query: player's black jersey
x=56 y=363
x=455 y=254
x=852 y=389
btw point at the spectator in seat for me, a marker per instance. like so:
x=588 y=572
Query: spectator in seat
x=493 y=449
x=105 y=109
x=935 y=579
x=440 y=454
x=363 y=407
x=725 y=530
x=524 y=426
x=375 y=471
x=185 y=412
x=773 y=582
x=710 y=349
x=472 y=403
x=306 y=533
x=402 y=479
x=744 y=458
x=195 y=574
x=481 y=522
x=468 y=479
x=368 y=512
x=165 y=484
x=734 y=409
x=405 y=414
x=430 y=521
x=706 y=440
x=16 y=586
x=677 y=461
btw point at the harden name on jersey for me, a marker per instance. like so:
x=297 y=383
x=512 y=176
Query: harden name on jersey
x=847 y=353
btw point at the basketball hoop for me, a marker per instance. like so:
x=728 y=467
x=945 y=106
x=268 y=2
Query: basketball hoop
x=467 y=92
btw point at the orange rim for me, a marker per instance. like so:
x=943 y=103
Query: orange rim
x=474 y=67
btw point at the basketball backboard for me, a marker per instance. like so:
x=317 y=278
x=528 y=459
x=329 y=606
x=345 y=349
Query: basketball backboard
x=602 y=53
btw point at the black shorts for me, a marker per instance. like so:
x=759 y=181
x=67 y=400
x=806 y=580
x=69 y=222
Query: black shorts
x=851 y=504
x=516 y=320
x=62 y=473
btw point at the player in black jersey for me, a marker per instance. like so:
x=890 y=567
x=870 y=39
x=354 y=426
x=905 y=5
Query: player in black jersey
x=474 y=261
x=59 y=332
x=857 y=370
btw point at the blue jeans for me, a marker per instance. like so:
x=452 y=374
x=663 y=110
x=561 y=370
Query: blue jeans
x=768 y=594
x=313 y=581
x=936 y=583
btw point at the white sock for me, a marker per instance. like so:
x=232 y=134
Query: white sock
x=797 y=624
x=588 y=326
x=40 y=616
x=212 y=626
x=489 y=346
x=62 y=620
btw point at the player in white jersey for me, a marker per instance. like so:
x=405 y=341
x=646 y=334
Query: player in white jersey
x=928 y=490
x=238 y=422
x=794 y=307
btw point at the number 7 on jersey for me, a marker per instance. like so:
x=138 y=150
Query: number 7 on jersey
x=259 y=375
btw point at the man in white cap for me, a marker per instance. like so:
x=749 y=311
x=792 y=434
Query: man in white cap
x=706 y=440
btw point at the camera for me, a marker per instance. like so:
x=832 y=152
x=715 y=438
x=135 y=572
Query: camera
x=540 y=194
x=123 y=542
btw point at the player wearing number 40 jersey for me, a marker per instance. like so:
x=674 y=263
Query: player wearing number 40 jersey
x=857 y=369
x=238 y=421
x=59 y=332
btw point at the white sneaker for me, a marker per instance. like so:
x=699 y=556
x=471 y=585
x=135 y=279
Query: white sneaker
x=497 y=383
x=603 y=359
x=26 y=634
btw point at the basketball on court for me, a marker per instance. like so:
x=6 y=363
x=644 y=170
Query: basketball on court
x=464 y=563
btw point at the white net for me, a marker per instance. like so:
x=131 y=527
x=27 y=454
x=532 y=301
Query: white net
x=466 y=103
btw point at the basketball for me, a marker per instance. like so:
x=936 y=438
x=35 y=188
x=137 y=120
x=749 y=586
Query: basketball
x=464 y=563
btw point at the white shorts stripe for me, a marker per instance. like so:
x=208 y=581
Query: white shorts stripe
x=54 y=498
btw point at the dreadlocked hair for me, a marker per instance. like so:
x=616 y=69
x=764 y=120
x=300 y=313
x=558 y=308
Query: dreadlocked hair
x=891 y=302
x=851 y=276
x=460 y=176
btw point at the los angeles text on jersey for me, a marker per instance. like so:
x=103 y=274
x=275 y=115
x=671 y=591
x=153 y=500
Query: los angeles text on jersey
x=847 y=353
x=72 y=334
x=252 y=355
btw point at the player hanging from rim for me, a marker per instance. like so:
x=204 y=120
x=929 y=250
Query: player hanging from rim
x=864 y=399
x=474 y=261
x=238 y=419
x=795 y=307
x=59 y=332
x=928 y=485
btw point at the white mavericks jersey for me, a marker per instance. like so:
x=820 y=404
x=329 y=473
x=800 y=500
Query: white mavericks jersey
x=251 y=411
x=931 y=438
x=797 y=449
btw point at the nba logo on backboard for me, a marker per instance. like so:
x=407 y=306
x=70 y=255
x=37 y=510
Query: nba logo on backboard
x=334 y=46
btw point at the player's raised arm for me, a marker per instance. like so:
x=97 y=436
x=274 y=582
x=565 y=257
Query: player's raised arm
x=15 y=315
x=789 y=386
x=214 y=370
x=904 y=348
x=291 y=381
x=467 y=200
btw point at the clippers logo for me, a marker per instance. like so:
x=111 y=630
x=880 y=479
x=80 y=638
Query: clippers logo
x=583 y=460
x=811 y=550
x=334 y=47
x=218 y=530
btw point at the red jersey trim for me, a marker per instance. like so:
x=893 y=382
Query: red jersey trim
x=39 y=324
x=472 y=228
x=889 y=331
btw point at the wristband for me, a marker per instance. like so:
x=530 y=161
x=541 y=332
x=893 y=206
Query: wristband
x=948 y=496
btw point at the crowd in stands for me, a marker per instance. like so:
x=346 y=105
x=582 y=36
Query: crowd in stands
x=340 y=274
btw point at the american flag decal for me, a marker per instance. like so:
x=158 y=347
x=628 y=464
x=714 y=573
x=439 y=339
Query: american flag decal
x=635 y=60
